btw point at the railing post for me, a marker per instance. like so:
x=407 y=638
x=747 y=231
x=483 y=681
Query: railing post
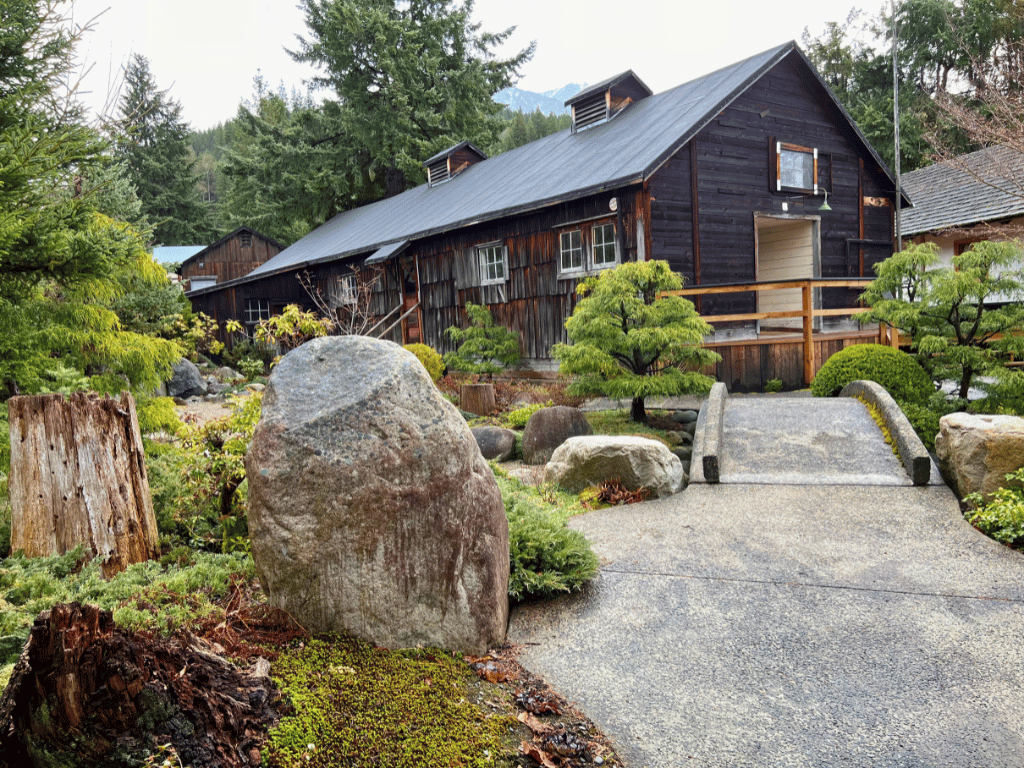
x=808 y=303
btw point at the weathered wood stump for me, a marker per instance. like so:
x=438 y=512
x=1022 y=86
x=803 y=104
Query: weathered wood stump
x=78 y=476
x=84 y=694
x=477 y=398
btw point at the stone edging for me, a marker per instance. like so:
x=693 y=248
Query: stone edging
x=712 y=433
x=915 y=457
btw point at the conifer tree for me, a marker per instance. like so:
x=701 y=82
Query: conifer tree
x=59 y=257
x=628 y=342
x=156 y=147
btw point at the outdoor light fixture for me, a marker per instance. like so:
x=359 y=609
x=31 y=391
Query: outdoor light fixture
x=825 y=205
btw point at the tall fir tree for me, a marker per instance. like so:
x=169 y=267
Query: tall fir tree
x=60 y=257
x=155 y=144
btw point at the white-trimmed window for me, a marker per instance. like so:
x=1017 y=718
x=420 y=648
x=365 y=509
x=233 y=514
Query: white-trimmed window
x=796 y=168
x=590 y=248
x=493 y=263
x=342 y=291
x=570 y=257
x=602 y=246
x=256 y=310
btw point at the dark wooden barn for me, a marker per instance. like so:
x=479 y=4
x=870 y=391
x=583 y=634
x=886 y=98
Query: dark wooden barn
x=233 y=256
x=751 y=176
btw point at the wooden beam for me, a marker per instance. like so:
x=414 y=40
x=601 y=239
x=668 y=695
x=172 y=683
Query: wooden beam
x=695 y=214
x=808 y=296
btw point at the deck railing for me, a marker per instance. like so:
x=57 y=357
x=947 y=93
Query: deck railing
x=806 y=313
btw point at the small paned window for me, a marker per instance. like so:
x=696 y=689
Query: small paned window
x=797 y=167
x=571 y=251
x=246 y=238
x=603 y=246
x=493 y=264
x=256 y=310
x=342 y=291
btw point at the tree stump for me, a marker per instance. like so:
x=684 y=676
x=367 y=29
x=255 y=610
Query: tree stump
x=84 y=693
x=477 y=398
x=78 y=476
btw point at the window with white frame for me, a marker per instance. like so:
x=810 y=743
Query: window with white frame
x=590 y=248
x=570 y=258
x=341 y=291
x=493 y=263
x=796 y=168
x=256 y=310
x=602 y=246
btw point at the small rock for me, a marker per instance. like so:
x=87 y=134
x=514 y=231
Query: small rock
x=684 y=452
x=690 y=427
x=255 y=387
x=598 y=760
x=179 y=401
x=685 y=417
x=215 y=387
x=224 y=373
x=674 y=438
x=637 y=462
x=186 y=380
x=495 y=443
x=548 y=428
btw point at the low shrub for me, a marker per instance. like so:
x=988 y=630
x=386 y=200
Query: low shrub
x=924 y=417
x=251 y=367
x=157 y=414
x=429 y=358
x=145 y=596
x=248 y=349
x=1002 y=516
x=896 y=371
x=773 y=385
x=546 y=558
x=517 y=419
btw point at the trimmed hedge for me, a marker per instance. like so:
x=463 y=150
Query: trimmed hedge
x=896 y=371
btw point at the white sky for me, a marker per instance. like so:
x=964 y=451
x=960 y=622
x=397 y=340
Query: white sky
x=208 y=51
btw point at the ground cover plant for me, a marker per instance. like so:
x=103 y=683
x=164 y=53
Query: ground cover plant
x=1002 y=516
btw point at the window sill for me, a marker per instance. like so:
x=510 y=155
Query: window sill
x=585 y=272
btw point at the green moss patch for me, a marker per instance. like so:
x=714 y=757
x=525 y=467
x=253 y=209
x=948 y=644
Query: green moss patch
x=357 y=705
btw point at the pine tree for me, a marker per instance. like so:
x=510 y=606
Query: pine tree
x=628 y=342
x=411 y=78
x=156 y=147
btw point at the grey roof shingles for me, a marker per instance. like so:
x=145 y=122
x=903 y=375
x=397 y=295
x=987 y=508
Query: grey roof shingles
x=563 y=166
x=981 y=186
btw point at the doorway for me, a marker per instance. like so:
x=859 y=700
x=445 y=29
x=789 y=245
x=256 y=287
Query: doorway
x=786 y=249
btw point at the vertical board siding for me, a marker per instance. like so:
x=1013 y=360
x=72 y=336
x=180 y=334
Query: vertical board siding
x=229 y=260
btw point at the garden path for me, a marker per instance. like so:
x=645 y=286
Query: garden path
x=765 y=624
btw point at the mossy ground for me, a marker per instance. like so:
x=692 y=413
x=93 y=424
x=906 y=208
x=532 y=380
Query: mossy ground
x=357 y=705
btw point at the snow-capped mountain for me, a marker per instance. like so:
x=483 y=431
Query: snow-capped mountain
x=548 y=102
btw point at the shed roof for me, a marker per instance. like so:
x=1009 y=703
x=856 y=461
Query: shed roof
x=174 y=253
x=556 y=168
x=981 y=186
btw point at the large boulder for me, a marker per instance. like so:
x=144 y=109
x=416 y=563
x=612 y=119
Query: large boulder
x=371 y=510
x=636 y=462
x=977 y=452
x=548 y=428
x=495 y=443
x=186 y=380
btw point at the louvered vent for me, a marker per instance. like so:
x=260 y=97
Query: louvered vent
x=438 y=172
x=589 y=111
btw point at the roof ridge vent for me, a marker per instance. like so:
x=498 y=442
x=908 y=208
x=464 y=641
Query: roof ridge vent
x=452 y=161
x=603 y=101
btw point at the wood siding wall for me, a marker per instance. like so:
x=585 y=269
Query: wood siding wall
x=229 y=260
x=730 y=167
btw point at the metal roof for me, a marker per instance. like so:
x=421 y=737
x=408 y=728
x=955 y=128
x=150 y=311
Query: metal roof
x=563 y=166
x=980 y=186
x=175 y=253
x=385 y=252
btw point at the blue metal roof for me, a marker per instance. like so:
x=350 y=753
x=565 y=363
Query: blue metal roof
x=175 y=253
x=624 y=150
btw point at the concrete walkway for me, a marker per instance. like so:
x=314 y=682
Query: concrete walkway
x=793 y=625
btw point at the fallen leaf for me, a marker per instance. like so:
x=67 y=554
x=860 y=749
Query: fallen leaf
x=536 y=754
x=533 y=723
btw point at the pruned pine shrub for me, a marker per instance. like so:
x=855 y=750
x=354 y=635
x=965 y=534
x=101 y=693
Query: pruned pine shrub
x=546 y=558
x=157 y=414
x=1002 y=516
x=428 y=356
x=896 y=371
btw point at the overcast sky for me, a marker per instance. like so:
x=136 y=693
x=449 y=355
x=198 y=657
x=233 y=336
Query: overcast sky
x=208 y=51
